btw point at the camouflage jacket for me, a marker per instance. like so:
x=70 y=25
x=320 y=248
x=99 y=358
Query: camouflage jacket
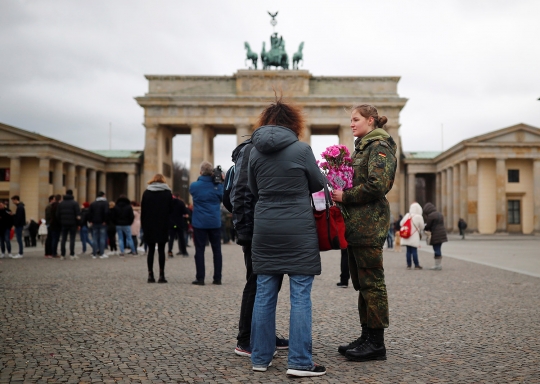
x=374 y=163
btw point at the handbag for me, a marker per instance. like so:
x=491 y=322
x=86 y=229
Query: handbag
x=330 y=225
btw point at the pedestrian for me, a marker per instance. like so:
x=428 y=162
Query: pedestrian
x=374 y=164
x=97 y=215
x=345 y=273
x=282 y=175
x=156 y=206
x=55 y=228
x=48 y=239
x=111 y=230
x=6 y=222
x=33 y=228
x=123 y=217
x=69 y=214
x=207 y=197
x=397 y=236
x=241 y=203
x=26 y=234
x=412 y=243
x=177 y=224
x=462 y=225
x=435 y=224
x=84 y=231
x=42 y=233
x=136 y=226
x=19 y=220
x=390 y=236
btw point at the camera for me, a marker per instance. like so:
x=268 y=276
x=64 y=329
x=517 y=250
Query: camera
x=217 y=175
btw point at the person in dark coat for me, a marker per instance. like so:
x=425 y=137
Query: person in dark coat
x=366 y=228
x=97 y=215
x=19 y=221
x=68 y=213
x=83 y=232
x=33 y=228
x=55 y=227
x=156 y=206
x=122 y=216
x=435 y=223
x=282 y=175
x=207 y=197
x=462 y=226
x=111 y=230
x=6 y=222
x=177 y=228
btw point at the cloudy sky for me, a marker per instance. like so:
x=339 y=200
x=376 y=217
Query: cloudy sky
x=68 y=68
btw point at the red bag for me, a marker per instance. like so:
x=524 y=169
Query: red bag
x=330 y=226
x=406 y=229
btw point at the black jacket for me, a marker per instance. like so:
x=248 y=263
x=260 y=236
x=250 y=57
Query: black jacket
x=99 y=211
x=435 y=223
x=122 y=213
x=156 y=206
x=241 y=198
x=176 y=218
x=54 y=223
x=83 y=222
x=6 y=220
x=67 y=212
x=19 y=219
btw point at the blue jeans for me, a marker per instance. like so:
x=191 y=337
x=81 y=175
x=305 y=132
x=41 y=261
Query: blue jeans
x=18 y=233
x=412 y=251
x=199 y=238
x=263 y=325
x=99 y=234
x=85 y=239
x=390 y=239
x=124 y=235
x=437 y=250
x=4 y=241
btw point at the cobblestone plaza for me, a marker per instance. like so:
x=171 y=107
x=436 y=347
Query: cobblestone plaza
x=99 y=321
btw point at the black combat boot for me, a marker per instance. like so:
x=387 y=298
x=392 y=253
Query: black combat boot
x=353 y=344
x=161 y=276
x=372 y=349
x=151 y=277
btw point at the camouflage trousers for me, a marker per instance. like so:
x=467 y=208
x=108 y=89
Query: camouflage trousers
x=367 y=275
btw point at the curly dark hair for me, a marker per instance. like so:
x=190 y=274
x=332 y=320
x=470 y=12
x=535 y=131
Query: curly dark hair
x=284 y=114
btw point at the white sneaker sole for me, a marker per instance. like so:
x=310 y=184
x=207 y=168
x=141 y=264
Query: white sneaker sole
x=248 y=354
x=262 y=369
x=300 y=373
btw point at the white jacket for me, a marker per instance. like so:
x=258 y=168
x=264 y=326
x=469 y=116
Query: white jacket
x=415 y=211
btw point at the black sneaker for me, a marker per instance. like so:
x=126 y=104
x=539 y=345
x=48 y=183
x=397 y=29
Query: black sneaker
x=282 y=343
x=316 y=370
x=367 y=352
x=418 y=267
x=216 y=282
x=342 y=349
x=341 y=285
x=198 y=282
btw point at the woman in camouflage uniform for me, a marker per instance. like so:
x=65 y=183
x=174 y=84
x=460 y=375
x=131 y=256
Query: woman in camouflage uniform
x=374 y=164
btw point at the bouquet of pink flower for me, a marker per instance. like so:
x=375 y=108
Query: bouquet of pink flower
x=337 y=167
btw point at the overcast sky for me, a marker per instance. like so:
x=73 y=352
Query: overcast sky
x=69 y=68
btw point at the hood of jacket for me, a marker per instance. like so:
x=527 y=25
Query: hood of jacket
x=429 y=208
x=156 y=187
x=20 y=205
x=415 y=209
x=377 y=134
x=272 y=138
x=68 y=197
x=237 y=150
x=123 y=201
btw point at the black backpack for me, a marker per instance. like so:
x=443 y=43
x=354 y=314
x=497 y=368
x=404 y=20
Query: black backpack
x=227 y=186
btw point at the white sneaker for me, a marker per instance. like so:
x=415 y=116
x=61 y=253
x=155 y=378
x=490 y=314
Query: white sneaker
x=262 y=369
x=2 y=255
x=140 y=249
x=63 y=258
x=72 y=257
x=75 y=257
x=17 y=256
x=10 y=256
x=104 y=256
x=94 y=257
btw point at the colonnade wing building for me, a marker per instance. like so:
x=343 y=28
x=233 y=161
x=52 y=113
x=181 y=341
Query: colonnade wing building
x=492 y=181
x=35 y=166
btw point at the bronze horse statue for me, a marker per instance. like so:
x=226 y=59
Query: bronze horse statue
x=298 y=56
x=250 y=55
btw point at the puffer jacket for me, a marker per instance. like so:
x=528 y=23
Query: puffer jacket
x=435 y=224
x=282 y=173
x=415 y=211
x=207 y=197
x=122 y=213
x=374 y=164
x=68 y=212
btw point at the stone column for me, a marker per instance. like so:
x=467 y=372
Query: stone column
x=208 y=147
x=43 y=186
x=463 y=190
x=411 y=189
x=243 y=131
x=536 y=191
x=102 y=182
x=131 y=186
x=306 y=135
x=197 y=154
x=91 y=195
x=15 y=177
x=438 y=191
x=455 y=196
x=58 y=176
x=444 y=192
x=70 y=177
x=449 y=199
x=346 y=138
x=472 y=194
x=500 y=199
x=81 y=185
x=151 y=151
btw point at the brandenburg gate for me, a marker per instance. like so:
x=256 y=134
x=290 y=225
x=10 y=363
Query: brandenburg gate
x=204 y=106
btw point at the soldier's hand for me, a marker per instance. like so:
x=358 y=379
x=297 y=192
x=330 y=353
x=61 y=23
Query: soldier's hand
x=337 y=195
